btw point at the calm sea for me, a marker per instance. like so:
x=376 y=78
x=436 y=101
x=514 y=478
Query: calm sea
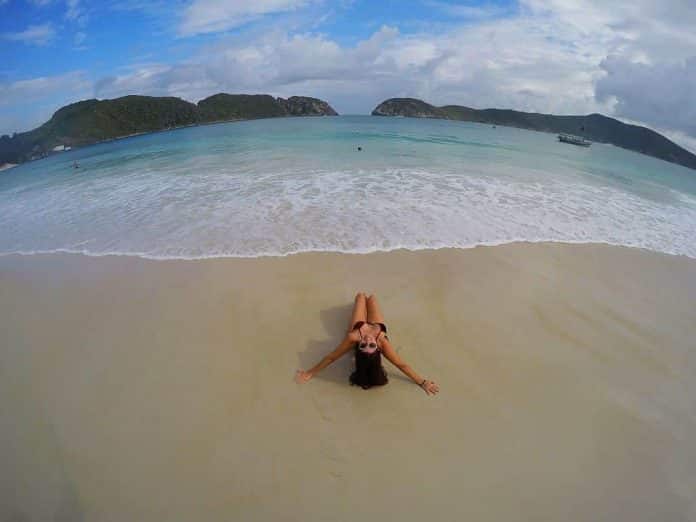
x=279 y=186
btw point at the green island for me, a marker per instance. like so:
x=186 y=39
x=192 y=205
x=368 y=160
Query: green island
x=594 y=127
x=93 y=121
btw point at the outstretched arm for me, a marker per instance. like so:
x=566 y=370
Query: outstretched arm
x=388 y=350
x=303 y=376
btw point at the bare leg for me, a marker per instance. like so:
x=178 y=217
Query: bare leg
x=359 y=310
x=374 y=314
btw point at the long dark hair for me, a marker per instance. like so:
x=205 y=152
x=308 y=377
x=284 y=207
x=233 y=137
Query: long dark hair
x=368 y=370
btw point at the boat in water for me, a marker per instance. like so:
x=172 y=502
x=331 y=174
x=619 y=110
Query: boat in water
x=574 y=140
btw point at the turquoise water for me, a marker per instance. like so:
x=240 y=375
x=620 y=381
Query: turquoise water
x=279 y=186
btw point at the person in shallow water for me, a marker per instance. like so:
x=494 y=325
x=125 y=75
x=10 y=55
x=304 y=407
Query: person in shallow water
x=367 y=335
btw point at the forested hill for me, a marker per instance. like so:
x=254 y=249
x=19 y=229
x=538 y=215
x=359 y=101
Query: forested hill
x=594 y=127
x=92 y=121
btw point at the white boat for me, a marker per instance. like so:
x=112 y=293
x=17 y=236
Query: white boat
x=574 y=140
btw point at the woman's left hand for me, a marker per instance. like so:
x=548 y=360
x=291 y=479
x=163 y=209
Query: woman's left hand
x=430 y=388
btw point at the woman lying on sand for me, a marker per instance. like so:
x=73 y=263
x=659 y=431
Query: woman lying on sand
x=367 y=333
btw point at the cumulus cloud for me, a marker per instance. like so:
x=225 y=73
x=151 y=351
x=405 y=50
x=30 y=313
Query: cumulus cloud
x=635 y=28
x=33 y=35
x=660 y=94
x=275 y=62
x=647 y=63
x=25 y=104
x=480 y=66
x=211 y=16
x=544 y=59
x=36 y=88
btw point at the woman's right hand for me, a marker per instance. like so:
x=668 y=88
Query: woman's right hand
x=430 y=388
x=302 y=376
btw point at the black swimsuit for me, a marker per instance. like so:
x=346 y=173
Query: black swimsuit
x=358 y=325
x=382 y=326
x=368 y=366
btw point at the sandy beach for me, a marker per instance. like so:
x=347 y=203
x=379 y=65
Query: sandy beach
x=134 y=389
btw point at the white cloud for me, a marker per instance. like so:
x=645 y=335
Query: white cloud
x=79 y=38
x=657 y=30
x=36 y=88
x=642 y=43
x=25 y=104
x=76 y=13
x=33 y=35
x=211 y=16
x=480 y=66
x=660 y=94
x=273 y=63
x=472 y=12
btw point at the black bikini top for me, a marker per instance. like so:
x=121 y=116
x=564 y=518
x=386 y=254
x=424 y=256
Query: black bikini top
x=364 y=346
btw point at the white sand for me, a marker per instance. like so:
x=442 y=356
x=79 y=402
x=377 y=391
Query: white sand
x=157 y=390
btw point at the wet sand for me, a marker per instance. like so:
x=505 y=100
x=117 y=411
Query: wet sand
x=133 y=389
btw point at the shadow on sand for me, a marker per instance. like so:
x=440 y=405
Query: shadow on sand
x=335 y=323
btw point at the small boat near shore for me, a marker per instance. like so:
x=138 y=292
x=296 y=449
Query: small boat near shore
x=574 y=140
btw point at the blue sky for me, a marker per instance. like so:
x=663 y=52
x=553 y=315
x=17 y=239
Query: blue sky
x=559 y=56
x=105 y=35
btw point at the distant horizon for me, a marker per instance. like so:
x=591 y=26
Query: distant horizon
x=629 y=122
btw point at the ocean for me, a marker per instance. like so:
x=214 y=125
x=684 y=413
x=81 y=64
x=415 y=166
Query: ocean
x=279 y=186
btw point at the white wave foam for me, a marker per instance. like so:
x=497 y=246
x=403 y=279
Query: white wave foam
x=237 y=213
x=144 y=255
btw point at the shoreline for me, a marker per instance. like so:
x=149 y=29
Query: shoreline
x=7 y=166
x=137 y=388
x=151 y=257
